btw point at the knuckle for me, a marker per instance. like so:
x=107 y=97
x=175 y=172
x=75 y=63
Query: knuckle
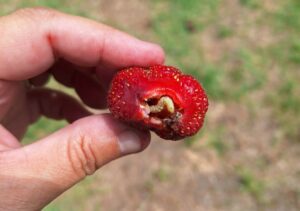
x=81 y=155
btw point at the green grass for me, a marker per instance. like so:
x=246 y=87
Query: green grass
x=55 y=4
x=75 y=198
x=250 y=183
x=285 y=53
x=248 y=76
x=162 y=174
x=293 y=53
x=42 y=128
x=286 y=104
x=211 y=78
x=217 y=142
x=73 y=7
x=224 y=32
x=253 y=4
x=175 y=32
x=288 y=17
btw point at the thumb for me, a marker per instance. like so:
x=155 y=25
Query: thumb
x=43 y=170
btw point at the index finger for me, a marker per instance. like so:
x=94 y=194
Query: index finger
x=32 y=39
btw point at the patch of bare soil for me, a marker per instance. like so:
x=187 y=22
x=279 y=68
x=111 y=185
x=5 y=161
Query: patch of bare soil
x=130 y=15
x=170 y=176
x=247 y=31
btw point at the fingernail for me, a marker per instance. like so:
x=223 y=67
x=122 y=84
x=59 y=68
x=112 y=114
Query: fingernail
x=129 y=142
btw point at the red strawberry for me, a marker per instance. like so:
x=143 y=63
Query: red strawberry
x=159 y=98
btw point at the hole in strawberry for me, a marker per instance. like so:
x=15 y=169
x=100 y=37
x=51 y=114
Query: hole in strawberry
x=152 y=101
x=161 y=108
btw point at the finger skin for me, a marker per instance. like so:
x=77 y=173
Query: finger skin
x=7 y=140
x=33 y=39
x=57 y=162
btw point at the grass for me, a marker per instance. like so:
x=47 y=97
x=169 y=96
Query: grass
x=72 y=7
x=293 y=52
x=252 y=4
x=286 y=53
x=247 y=76
x=250 y=183
x=74 y=199
x=288 y=16
x=162 y=174
x=217 y=142
x=286 y=103
x=41 y=128
x=224 y=32
x=175 y=31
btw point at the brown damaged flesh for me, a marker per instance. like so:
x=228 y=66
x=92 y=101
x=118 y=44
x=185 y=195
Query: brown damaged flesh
x=162 y=112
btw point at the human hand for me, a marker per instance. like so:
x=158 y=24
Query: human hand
x=81 y=54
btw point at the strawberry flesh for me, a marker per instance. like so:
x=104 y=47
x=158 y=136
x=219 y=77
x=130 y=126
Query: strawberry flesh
x=159 y=98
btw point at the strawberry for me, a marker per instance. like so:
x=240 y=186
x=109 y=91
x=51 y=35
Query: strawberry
x=159 y=98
